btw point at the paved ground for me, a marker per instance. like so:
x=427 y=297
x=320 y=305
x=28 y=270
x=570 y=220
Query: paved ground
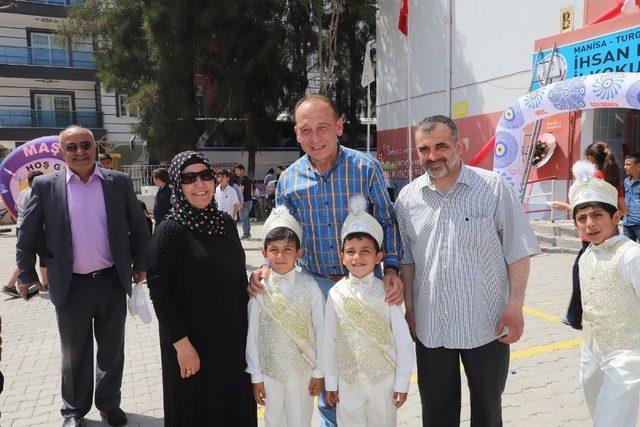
x=542 y=389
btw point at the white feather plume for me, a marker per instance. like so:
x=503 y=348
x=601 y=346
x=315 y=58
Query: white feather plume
x=280 y=210
x=358 y=203
x=583 y=170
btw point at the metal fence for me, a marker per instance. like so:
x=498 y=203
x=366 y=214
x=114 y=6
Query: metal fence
x=141 y=174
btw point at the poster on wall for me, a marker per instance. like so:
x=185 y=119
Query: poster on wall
x=618 y=52
x=394 y=157
x=41 y=154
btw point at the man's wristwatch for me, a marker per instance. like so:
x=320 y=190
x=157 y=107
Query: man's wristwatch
x=392 y=267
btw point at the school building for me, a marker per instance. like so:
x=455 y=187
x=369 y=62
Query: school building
x=471 y=60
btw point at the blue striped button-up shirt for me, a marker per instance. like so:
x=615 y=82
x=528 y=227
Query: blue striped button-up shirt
x=320 y=202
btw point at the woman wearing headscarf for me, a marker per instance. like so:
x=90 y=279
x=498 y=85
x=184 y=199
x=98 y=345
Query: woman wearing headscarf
x=197 y=282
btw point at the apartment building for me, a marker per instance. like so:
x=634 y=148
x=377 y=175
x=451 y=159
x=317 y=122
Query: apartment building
x=44 y=86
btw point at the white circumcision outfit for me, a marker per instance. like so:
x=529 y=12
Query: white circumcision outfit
x=367 y=354
x=610 y=360
x=285 y=329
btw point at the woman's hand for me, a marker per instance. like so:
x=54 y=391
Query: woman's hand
x=188 y=358
x=560 y=206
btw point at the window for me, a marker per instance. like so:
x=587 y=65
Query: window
x=52 y=110
x=123 y=107
x=45 y=51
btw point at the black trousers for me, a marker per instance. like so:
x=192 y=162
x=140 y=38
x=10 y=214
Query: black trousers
x=486 y=368
x=574 y=311
x=92 y=307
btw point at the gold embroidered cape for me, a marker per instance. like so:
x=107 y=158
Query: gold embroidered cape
x=290 y=320
x=366 y=320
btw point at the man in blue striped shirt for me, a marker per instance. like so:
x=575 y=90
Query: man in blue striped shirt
x=317 y=188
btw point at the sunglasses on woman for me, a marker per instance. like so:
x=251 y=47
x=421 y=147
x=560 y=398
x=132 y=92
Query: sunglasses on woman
x=72 y=147
x=190 y=177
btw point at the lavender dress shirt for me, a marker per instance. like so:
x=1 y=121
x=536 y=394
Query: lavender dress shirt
x=88 y=219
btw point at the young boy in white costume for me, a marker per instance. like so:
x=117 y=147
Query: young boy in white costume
x=368 y=352
x=285 y=325
x=610 y=284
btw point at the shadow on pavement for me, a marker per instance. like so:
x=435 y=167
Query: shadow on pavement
x=133 y=420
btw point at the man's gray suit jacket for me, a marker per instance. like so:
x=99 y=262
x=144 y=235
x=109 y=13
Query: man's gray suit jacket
x=126 y=224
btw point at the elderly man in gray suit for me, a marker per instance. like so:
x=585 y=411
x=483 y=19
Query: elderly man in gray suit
x=92 y=222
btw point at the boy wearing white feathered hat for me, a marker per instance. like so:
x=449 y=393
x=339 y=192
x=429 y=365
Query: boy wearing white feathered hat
x=368 y=352
x=285 y=329
x=610 y=285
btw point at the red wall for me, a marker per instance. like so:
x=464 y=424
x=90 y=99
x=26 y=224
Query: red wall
x=392 y=144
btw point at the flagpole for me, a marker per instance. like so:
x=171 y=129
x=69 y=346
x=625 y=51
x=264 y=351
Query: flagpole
x=368 y=118
x=409 y=139
x=368 y=77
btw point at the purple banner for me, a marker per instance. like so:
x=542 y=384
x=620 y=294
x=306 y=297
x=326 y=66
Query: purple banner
x=42 y=154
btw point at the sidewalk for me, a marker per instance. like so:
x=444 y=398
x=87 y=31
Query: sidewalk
x=542 y=389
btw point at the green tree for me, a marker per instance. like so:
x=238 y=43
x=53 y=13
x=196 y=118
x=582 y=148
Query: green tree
x=147 y=52
x=255 y=51
x=357 y=27
x=247 y=61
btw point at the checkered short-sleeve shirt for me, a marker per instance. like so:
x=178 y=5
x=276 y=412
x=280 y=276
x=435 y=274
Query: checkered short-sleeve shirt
x=461 y=244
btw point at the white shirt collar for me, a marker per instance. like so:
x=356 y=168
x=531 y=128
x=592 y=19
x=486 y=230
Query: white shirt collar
x=608 y=243
x=367 y=280
x=282 y=279
x=71 y=174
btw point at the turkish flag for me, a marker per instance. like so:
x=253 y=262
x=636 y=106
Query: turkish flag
x=404 y=18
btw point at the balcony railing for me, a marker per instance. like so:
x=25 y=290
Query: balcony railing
x=18 y=55
x=53 y=2
x=49 y=119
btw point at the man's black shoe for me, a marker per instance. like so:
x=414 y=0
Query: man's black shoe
x=11 y=291
x=72 y=422
x=115 y=417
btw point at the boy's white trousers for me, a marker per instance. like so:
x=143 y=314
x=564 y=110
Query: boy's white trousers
x=366 y=405
x=611 y=385
x=288 y=405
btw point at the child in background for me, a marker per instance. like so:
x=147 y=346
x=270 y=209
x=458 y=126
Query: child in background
x=285 y=326
x=368 y=352
x=600 y=155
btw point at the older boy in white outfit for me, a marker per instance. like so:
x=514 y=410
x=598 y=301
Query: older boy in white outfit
x=610 y=285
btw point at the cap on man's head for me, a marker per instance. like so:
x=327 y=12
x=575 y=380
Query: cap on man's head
x=360 y=221
x=588 y=189
x=104 y=156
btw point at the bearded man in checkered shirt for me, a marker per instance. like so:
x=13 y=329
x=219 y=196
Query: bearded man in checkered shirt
x=466 y=243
